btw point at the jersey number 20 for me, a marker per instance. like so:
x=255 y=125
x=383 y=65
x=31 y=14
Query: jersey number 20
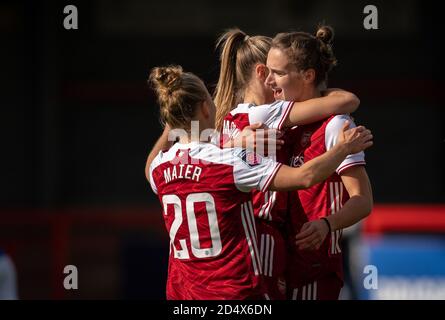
x=191 y=199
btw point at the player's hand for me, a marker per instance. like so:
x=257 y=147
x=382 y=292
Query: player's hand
x=311 y=235
x=258 y=138
x=356 y=139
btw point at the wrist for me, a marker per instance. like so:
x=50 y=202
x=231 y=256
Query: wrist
x=343 y=148
x=328 y=224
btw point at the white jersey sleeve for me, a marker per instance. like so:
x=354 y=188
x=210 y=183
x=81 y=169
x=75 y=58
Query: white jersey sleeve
x=252 y=171
x=272 y=115
x=156 y=161
x=331 y=135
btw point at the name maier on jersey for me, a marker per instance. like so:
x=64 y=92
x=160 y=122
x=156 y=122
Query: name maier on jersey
x=182 y=171
x=193 y=171
x=192 y=161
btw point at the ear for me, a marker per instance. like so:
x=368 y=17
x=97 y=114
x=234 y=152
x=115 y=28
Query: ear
x=309 y=76
x=205 y=109
x=261 y=71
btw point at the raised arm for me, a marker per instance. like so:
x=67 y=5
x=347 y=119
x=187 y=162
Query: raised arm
x=333 y=101
x=350 y=141
x=161 y=144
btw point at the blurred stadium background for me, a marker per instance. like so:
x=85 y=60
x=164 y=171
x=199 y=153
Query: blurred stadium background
x=78 y=121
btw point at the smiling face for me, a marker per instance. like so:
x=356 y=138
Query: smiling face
x=284 y=78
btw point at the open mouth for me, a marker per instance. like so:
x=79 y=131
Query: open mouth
x=277 y=93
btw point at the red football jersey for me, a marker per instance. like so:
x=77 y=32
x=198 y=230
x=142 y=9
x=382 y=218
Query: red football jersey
x=321 y=200
x=204 y=191
x=269 y=205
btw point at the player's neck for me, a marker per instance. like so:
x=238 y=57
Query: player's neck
x=185 y=140
x=251 y=99
x=254 y=95
x=309 y=93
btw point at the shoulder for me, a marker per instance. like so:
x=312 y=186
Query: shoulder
x=335 y=123
x=270 y=114
x=238 y=117
x=232 y=157
x=333 y=126
x=210 y=153
x=241 y=108
x=157 y=160
x=275 y=104
x=162 y=157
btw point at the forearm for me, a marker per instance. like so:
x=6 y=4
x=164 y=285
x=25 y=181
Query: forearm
x=321 y=167
x=354 y=210
x=310 y=173
x=316 y=109
x=161 y=144
x=347 y=102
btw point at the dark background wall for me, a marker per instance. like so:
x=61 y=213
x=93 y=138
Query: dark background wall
x=78 y=118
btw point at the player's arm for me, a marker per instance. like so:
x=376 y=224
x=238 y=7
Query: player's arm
x=334 y=101
x=358 y=206
x=318 y=169
x=161 y=144
x=360 y=203
x=254 y=140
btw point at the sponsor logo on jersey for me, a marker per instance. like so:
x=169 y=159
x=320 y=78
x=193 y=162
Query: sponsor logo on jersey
x=297 y=161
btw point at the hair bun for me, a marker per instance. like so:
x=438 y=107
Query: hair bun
x=325 y=34
x=166 y=79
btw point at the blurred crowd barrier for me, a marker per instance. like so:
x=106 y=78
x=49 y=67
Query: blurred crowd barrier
x=122 y=253
x=404 y=246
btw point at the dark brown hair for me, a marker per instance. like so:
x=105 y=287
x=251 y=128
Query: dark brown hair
x=307 y=51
